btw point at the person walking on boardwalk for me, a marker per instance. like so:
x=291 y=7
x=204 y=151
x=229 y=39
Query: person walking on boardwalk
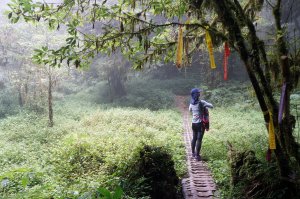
x=198 y=107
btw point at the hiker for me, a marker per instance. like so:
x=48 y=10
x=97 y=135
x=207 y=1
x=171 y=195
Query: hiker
x=198 y=107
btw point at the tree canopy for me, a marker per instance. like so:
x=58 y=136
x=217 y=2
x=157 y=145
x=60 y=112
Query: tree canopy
x=143 y=30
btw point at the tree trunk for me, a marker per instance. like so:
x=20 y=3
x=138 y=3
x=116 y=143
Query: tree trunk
x=286 y=128
x=21 y=103
x=111 y=98
x=251 y=57
x=116 y=83
x=26 y=90
x=50 y=108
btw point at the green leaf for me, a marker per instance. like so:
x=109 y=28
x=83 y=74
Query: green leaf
x=15 y=20
x=118 y=193
x=25 y=181
x=104 y=192
x=38 y=51
x=10 y=15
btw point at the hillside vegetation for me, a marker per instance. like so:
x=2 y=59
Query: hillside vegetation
x=95 y=143
x=89 y=147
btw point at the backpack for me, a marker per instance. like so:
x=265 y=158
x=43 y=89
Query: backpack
x=204 y=116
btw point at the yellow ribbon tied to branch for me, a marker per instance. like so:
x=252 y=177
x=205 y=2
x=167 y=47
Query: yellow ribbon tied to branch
x=210 y=50
x=179 y=53
x=272 y=142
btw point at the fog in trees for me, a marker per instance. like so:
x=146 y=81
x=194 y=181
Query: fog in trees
x=92 y=100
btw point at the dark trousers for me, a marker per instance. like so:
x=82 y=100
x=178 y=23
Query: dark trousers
x=197 y=137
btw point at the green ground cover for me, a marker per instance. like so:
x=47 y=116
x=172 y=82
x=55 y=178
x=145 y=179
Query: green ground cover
x=89 y=147
x=95 y=143
x=237 y=119
x=244 y=129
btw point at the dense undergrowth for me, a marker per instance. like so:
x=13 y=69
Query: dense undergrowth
x=236 y=145
x=243 y=128
x=89 y=147
x=130 y=142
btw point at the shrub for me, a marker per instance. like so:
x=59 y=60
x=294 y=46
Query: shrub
x=17 y=180
x=154 y=171
x=232 y=93
x=74 y=159
x=253 y=179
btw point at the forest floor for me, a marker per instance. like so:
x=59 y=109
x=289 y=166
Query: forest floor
x=199 y=182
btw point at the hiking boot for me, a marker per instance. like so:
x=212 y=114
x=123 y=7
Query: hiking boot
x=193 y=155
x=198 y=158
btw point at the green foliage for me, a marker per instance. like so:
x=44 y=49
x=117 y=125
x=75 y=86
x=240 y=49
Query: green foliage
x=146 y=95
x=240 y=124
x=68 y=87
x=107 y=195
x=88 y=148
x=141 y=93
x=231 y=124
x=82 y=158
x=17 y=180
x=131 y=32
x=178 y=86
x=232 y=93
x=254 y=179
x=94 y=145
x=155 y=167
x=221 y=175
x=237 y=119
x=128 y=16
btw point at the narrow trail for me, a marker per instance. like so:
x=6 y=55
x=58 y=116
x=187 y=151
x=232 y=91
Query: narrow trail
x=199 y=183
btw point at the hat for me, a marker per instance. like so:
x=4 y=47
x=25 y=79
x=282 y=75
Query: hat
x=196 y=90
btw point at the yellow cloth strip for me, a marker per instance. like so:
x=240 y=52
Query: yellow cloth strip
x=272 y=142
x=210 y=50
x=179 y=53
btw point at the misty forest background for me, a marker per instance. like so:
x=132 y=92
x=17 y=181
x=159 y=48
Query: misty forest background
x=70 y=132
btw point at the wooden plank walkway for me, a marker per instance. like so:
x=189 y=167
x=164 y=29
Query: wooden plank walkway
x=199 y=183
